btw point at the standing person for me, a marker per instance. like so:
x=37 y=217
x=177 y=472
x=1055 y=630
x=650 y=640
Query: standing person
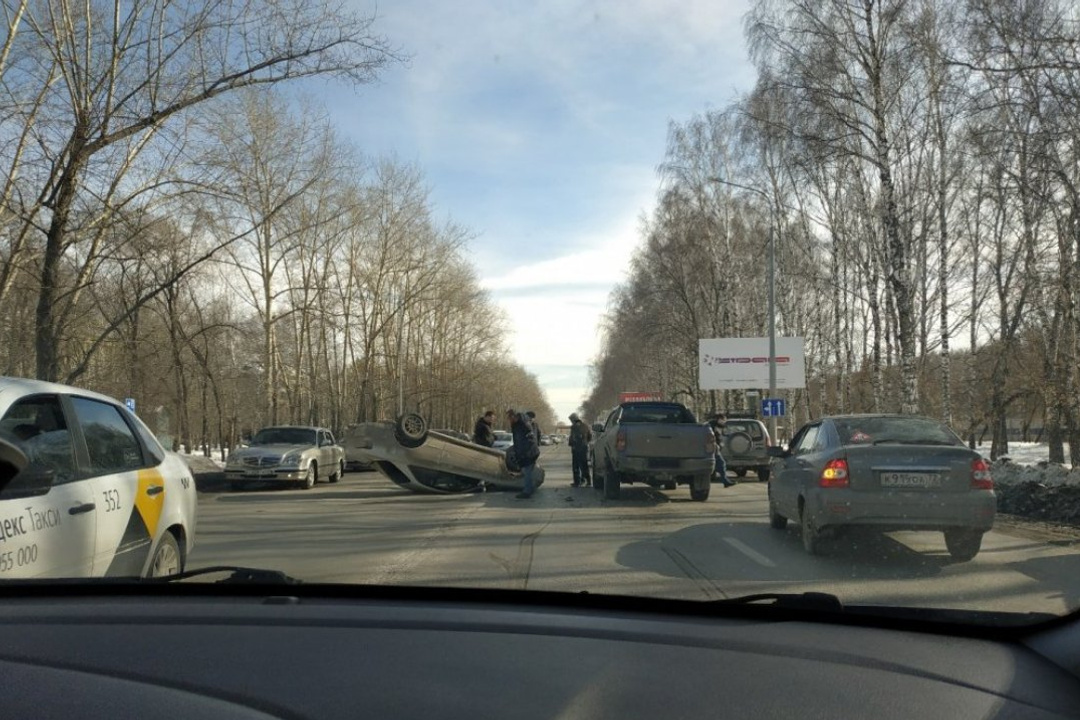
x=483 y=434
x=720 y=468
x=535 y=427
x=526 y=449
x=580 y=437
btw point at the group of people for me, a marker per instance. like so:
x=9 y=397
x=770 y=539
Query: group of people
x=526 y=443
x=526 y=434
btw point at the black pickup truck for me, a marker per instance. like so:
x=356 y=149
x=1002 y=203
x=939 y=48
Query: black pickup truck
x=657 y=443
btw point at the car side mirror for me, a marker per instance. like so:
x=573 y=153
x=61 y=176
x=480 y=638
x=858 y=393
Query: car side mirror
x=12 y=461
x=598 y=427
x=777 y=451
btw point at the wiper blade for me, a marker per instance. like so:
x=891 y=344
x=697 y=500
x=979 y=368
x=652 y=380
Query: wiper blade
x=237 y=575
x=825 y=602
x=915 y=442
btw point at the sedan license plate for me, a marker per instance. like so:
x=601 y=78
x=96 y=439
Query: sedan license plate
x=910 y=480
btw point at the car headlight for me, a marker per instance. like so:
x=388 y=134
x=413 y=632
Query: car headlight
x=233 y=461
x=292 y=458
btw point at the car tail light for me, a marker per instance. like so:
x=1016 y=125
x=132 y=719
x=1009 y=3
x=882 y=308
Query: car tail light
x=710 y=443
x=620 y=441
x=980 y=475
x=835 y=474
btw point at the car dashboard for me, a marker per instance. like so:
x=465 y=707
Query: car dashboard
x=418 y=655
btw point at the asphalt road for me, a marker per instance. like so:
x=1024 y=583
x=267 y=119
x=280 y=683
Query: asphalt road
x=365 y=529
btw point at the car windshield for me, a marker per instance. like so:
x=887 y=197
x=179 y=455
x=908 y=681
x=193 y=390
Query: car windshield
x=911 y=430
x=284 y=436
x=579 y=233
x=752 y=429
x=656 y=414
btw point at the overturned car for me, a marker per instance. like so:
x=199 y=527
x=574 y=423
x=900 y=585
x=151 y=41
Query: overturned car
x=429 y=461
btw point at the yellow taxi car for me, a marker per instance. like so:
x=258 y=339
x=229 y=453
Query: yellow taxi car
x=85 y=488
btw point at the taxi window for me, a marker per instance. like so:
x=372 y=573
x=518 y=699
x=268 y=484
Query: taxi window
x=37 y=426
x=149 y=441
x=110 y=443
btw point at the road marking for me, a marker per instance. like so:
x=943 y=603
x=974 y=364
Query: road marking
x=749 y=552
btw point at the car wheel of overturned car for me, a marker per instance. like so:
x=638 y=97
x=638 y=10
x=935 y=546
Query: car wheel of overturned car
x=776 y=520
x=311 y=477
x=166 y=559
x=762 y=473
x=811 y=535
x=699 y=489
x=411 y=430
x=963 y=543
x=511 y=461
x=612 y=481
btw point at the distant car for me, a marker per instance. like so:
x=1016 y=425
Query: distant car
x=890 y=472
x=503 y=440
x=745 y=447
x=288 y=453
x=86 y=490
x=546 y=440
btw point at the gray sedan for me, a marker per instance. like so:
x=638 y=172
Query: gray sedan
x=890 y=472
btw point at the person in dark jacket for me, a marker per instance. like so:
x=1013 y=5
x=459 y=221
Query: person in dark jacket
x=526 y=449
x=535 y=426
x=580 y=437
x=720 y=467
x=483 y=434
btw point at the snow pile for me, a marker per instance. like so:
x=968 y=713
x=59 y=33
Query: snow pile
x=1029 y=485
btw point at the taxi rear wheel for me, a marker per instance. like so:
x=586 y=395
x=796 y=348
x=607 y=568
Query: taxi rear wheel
x=166 y=560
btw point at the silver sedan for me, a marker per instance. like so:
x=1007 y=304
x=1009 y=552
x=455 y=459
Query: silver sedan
x=890 y=472
x=294 y=454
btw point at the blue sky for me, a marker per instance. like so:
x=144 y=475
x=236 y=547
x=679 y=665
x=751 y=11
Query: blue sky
x=539 y=126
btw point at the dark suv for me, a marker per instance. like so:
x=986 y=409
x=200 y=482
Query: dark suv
x=745 y=447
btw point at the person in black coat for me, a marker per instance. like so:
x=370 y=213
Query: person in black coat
x=526 y=448
x=483 y=434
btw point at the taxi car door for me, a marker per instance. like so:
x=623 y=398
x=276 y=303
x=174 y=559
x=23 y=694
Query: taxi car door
x=49 y=530
x=129 y=487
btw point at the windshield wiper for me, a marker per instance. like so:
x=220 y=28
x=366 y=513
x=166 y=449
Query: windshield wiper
x=825 y=602
x=915 y=442
x=237 y=575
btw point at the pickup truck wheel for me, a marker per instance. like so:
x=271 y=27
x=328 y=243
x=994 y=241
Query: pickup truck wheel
x=740 y=472
x=597 y=476
x=762 y=473
x=699 y=491
x=611 y=484
x=776 y=520
x=963 y=544
x=670 y=485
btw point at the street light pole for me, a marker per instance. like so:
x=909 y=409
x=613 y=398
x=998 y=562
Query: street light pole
x=772 y=294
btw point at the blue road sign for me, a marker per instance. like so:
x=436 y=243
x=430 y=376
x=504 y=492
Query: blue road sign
x=773 y=407
x=130 y=402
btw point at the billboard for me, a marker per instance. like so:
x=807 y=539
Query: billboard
x=626 y=397
x=743 y=363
